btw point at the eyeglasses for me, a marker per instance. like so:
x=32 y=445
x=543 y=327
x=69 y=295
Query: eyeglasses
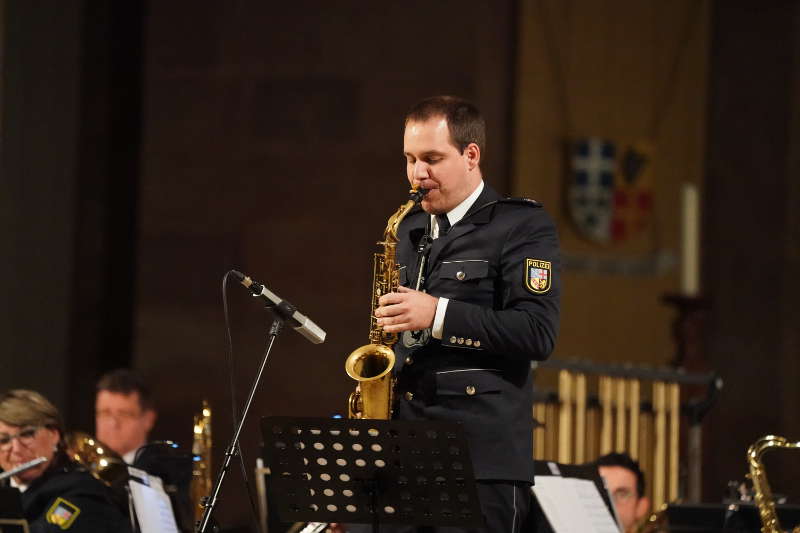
x=25 y=437
x=119 y=416
x=622 y=494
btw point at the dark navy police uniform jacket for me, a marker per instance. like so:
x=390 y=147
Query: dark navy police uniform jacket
x=499 y=267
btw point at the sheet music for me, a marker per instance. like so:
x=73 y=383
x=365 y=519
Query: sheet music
x=573 y=505
x=151 y=503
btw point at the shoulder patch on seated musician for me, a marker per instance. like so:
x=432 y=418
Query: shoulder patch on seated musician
x=62 y=513
x=538 y=275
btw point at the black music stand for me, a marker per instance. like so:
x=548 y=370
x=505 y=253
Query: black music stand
x=370 y=471
x=730 y=517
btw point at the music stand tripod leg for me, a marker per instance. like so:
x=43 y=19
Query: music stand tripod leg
x=211 y=500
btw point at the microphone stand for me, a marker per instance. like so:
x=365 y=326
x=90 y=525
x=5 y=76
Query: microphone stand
x=210 y=501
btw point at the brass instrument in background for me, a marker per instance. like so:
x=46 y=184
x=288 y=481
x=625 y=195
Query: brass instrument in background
x=371 y=365
x=201 y=465
x=101 y=461
x=765 y=501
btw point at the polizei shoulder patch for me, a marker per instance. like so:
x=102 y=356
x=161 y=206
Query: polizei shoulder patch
x=62 y=513
x=538 y=275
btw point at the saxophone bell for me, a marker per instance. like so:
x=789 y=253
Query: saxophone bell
x=371 y=366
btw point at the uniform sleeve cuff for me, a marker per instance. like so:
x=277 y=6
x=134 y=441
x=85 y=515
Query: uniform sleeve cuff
x=438 y=319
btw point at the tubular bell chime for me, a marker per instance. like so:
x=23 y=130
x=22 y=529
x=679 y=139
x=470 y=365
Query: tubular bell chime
x=600 y=409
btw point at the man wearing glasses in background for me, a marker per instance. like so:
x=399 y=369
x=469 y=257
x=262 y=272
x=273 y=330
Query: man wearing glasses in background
x=58 y=494
x=124 y=412
x=625 y=482
x=124 y=416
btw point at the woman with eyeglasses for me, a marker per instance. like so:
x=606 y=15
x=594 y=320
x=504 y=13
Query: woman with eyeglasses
x=58 y=494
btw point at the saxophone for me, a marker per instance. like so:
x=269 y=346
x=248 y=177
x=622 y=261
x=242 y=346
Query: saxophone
x=371 y=365
x=758 y=474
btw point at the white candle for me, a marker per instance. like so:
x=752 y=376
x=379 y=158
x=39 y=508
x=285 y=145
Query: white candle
x=690 y=240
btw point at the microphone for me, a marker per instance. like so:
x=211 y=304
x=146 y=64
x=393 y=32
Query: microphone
x=301 y=323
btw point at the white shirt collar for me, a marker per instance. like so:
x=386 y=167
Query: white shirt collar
x=130 y=456
x=458 y=212
x=14 y=483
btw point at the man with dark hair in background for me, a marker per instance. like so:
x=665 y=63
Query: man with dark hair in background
x=124 y=412
x=124 y=416
x=625 y=482
x=486 y=306
x=58 y=494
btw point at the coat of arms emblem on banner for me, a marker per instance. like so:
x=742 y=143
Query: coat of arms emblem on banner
x=610 y=193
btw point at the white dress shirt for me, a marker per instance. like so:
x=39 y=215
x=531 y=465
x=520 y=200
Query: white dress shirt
x=454 y=215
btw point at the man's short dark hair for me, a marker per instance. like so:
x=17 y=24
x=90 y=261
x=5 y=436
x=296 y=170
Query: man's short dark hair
x=625 y=461
x=126 y=381
x=464 y=121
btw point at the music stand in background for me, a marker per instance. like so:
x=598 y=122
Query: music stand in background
x=370 y=472
x=730 y=517
x=594 y=511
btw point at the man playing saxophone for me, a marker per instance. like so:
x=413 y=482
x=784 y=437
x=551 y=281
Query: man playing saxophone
x=478 y=301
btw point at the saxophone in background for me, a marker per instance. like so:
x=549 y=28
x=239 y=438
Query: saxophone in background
x=201 y=466
x=765 y=501
x=371 y=365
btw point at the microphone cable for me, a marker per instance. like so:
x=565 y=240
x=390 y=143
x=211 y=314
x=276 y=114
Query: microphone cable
x=234 y=402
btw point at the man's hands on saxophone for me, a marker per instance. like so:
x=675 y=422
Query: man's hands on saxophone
x=406 y=310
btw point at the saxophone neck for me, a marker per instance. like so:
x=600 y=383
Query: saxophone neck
x=415 y=197
x=765 y=501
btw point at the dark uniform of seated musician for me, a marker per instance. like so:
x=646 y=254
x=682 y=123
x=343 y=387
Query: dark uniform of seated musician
x=57 y=495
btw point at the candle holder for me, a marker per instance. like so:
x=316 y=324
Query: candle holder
x=688 y=330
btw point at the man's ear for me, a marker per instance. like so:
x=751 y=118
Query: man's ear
x=642 y=507
x=473 y=154
x=150 y=417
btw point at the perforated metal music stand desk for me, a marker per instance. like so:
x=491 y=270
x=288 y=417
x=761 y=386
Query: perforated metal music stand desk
x=370 y=471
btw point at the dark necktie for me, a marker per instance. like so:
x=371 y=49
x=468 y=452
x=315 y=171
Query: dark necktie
x=444 y=224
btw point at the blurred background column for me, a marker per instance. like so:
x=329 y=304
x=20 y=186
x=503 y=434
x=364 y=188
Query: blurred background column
x=70 y=148
x=750 y=230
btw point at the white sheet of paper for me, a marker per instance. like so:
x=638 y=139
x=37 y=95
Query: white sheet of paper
x=573 y=505
x=151 y=503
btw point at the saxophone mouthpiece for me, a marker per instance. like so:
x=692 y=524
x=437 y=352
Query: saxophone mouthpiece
x=418 y=194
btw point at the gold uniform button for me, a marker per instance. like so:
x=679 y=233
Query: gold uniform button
x=460 y=275
x=461 y=340
x=453 y=340
x=409 y=396
x=468 y=342
x=409 y=360
x=477 y=344
x=470 y=390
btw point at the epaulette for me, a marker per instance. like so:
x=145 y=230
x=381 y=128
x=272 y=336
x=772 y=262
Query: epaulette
x=521 y=201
